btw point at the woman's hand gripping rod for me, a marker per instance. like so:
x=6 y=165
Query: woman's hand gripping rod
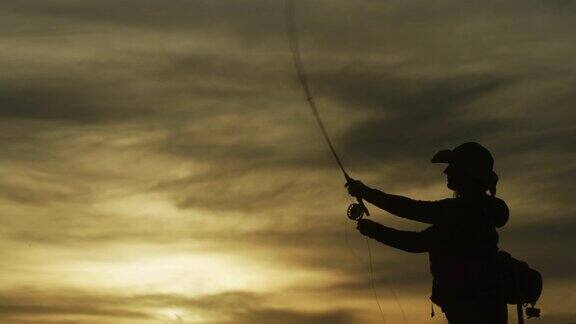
x=356 y=210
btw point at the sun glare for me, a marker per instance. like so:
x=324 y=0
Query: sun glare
x=189 y=274
x=176 y=315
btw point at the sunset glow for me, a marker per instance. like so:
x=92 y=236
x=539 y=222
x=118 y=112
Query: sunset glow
x=159 y=163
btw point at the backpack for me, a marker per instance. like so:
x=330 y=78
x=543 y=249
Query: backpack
x=520 y=284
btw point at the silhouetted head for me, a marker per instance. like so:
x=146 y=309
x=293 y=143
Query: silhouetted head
x=470 y=169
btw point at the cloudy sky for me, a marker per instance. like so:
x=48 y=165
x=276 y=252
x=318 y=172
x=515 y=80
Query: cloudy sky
x=159 y=163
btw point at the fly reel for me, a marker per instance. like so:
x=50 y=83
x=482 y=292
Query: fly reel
x=355 y=211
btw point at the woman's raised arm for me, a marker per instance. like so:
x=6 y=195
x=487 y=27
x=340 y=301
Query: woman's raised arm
x=418 y=210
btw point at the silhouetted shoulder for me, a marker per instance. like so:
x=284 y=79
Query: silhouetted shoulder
x=486 y=208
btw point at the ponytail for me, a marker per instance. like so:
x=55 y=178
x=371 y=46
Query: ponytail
x=492 y=184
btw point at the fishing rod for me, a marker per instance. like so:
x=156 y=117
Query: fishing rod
x=356 y=210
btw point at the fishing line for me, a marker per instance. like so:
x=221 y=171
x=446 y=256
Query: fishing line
x=372 y=281
x=371 y=272
x=391 y=288
x=347 y=240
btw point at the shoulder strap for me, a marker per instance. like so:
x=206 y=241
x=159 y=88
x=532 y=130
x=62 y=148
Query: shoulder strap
x=520 y=313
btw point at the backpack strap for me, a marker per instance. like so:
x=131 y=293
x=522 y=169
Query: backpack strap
x=520 y=313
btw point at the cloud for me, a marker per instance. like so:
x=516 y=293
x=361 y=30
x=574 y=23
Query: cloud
x=228 y=307
x=291 y=316
x=545 y=248
x=423 y=115
x=30 y=303
x=63 y=100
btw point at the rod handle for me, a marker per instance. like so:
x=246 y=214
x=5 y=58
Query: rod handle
x=360 y=201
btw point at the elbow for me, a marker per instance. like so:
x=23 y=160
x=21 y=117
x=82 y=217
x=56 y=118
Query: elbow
x=418 y=249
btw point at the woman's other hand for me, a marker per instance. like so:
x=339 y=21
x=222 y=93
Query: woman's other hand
x=367 y=227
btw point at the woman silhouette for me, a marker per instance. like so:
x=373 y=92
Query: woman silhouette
x=462 y=239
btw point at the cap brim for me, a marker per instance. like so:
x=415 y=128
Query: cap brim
x=444 y=156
